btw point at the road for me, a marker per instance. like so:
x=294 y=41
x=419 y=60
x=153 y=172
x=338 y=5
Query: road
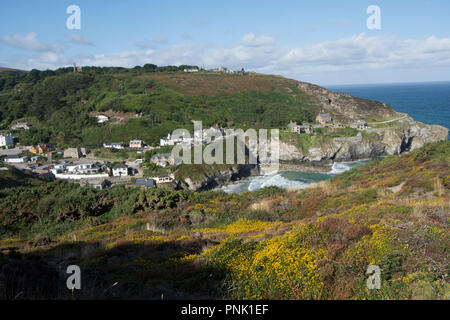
x=11 y=152
x=388 y=121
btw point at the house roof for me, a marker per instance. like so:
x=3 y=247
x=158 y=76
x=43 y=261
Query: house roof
x=96 y=182
x=325 y=115
x=145 y=182
x=292 y=124
x=162 y=156
x=120 y=166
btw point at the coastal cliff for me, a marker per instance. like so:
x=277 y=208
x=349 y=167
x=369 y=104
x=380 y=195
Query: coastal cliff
x=407 y=135
x=403 y=136
x=217 y=178
x=388 y=133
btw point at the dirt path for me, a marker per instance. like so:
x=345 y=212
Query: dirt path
x=388 y=121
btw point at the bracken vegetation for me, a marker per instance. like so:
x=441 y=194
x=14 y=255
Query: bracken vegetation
x=270 y=244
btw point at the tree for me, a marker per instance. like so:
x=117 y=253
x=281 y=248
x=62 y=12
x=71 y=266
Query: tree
x=150 y=67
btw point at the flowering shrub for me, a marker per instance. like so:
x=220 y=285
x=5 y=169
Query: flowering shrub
x=283 y=267
x=242 y=225
x=372 y=249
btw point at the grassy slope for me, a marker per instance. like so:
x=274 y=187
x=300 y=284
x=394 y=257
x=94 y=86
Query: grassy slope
x=60 y=105
x=16 y=178
x=322 y=137
x=314 y=243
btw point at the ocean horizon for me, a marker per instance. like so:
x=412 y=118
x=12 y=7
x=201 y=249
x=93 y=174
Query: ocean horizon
x=427 y=102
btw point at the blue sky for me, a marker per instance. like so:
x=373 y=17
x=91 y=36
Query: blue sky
x=325 y=42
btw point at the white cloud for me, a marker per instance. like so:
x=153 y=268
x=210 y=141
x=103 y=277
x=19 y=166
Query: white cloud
x=355 y=55
x=80 y=39
x=342 y=22
x=198 y=23
x=253 y=41
x=146 y=45
x=160 y=38
x=187 y=36
x=29 y=41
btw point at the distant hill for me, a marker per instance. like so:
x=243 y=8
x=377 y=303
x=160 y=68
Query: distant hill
x=2 y=69
x=60 y=103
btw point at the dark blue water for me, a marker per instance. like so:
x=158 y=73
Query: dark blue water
x=425 y=102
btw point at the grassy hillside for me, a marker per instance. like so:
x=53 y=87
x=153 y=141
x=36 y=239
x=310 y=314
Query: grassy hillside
x=269 y=244
x=15 y=178
x=61 y=105
x=3 y=69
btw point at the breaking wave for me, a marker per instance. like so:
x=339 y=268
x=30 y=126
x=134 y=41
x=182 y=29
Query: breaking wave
x=289 y=179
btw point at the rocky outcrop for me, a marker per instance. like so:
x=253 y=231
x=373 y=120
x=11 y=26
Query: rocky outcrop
x=219 y=178
x=343 y=106
x=399 y=135
x=407 y=136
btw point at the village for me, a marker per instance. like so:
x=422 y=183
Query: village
x=324 y=120
x=84 y=166
x=90 y=168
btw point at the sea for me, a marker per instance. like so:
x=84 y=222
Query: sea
x=427 y=102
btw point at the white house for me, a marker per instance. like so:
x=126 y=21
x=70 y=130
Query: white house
x=114 y=145
x=20 y=126
x=184 y=139
x=6 y=140
x=102 y=118
x=190 y=70
x=164 y=178
x=136 y=144
x=298 y=129
x=360 y=125
x=239 y=71
x=167 y=141
x=83 y=168
x=58 y=168
x=72 y=171
x=16 y=159
x=120 y=170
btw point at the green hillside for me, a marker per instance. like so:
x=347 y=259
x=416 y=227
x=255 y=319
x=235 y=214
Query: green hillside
x=15 y=178
x=270 y=244
x=61 y=104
